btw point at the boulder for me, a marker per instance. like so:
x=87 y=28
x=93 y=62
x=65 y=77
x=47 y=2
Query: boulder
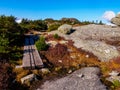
x=65 y=28
x=116 y=20
x=28 y=78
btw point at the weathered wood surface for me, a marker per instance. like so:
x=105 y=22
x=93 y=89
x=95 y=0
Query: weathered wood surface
x=31 y=57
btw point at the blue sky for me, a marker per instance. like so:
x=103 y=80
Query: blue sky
x=56 y=9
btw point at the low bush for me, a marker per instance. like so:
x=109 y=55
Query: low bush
x=53 y=27
x=58 y=55
x=41 y=45
x=56 y=36
x=5 y=76
x=116 y=84
x=58 y=51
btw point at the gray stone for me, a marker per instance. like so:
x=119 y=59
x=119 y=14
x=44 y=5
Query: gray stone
x=65 y=28
x=83 y=79
x=70 y=71
x=28 y=78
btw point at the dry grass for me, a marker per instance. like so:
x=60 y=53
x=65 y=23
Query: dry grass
x=82 y=57
x=20 y=72
x=51 y=37
x=115 y=64
x=19 y=62
x=107 y=67
x=105 y=70
x=66 y=55
x=114 y=43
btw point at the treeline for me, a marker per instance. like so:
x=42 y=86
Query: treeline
x=50 y=24
x=71 y=21
x=38 y=25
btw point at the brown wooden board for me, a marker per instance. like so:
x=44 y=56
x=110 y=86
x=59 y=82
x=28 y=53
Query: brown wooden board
x=31 y=57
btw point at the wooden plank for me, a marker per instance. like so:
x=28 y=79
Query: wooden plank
x=31 y=58
x=26 y=55
x=31 y=42
x=38 y=60
x=26 y=58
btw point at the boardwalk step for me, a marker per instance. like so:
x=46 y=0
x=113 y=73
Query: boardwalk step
x=31 y=57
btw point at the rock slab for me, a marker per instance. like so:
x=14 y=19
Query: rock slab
x=83 y=79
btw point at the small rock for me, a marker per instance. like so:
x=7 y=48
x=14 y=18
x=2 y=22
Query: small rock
x=18 y=66
x=80 y=75
x=28 y=78
x=52 y=43
x=58 y=68
x=70 y=71
x=107 y=51
x=63 y=42
x=45 y=70
x=87 y=56
x=60 y=61
x=114 y=73
x=73 y=56
x=70 y=50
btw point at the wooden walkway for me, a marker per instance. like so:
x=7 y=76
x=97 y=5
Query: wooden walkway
x=31 y=57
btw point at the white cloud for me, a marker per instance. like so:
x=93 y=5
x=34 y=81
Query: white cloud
x=18 y=20
x=108 y=15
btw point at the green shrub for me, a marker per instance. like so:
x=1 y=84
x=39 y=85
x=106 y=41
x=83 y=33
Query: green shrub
x=56 y=36
x=107 y=83
x=53 y=27
x=16 y=55
x=116 y=83
x=40 y=44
